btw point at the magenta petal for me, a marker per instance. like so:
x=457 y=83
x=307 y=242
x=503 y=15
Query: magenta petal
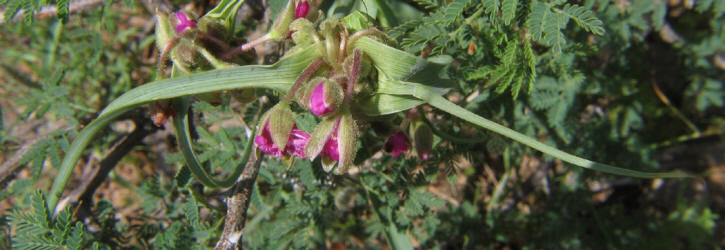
x=317 y=101
x=297 y=142
x=330 y=149
x=302 y=9
x=184 y=22
x=264 y=142
x=397 y=144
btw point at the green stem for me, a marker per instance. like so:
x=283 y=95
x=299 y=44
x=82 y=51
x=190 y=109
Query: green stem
x=434 y=99
x=446 y=136
x=183 y=135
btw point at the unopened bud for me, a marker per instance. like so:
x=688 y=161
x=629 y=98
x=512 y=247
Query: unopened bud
x=281 y=122
x=335 y=140
x=164 y=32
x=325 y=98
x=280 y=28
x=302 y=9
x=397 y=144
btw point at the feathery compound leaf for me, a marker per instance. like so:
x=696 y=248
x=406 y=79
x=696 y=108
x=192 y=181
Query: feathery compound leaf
x=546 y=25
x=553 y=24
x=427 y=4
x=584 y=18
x=508 y=10
x=454 y=10
x=490 y=7
x=535 y=22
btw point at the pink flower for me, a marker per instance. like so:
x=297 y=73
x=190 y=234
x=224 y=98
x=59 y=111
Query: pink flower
x=295 y=145
x=184 y=22
x=302 y=9
x=397 y=144
x=318 y=105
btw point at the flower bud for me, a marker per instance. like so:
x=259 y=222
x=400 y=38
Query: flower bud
x=281 y=122
x=423 y=139
x=397 y=144
x=335 y=140
x=164 y=32
x=280 y=27
x=302 y=31
x=302 y=9
x=325 y=98
x=183 y=22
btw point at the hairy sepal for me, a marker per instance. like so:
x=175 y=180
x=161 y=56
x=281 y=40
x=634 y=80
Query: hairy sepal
x=281 y=121
x=280 y=28
x=319 y=137
x=346 y=142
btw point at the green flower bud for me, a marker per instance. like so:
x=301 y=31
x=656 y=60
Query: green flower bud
x=280 y=28
x=164 y=31
x=303 y=32
x=281 y=121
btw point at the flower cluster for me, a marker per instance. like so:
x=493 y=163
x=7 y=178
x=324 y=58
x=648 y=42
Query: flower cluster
x=328 y=88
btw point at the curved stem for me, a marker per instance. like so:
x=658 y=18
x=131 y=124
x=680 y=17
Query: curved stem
x=183 y=135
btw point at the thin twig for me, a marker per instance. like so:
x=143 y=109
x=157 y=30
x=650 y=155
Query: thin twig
x=237 y=205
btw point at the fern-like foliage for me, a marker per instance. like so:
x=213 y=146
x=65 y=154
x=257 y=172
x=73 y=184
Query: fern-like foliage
x=427 y=4
x=28 y=8
x=546 y=22
x=35 y=229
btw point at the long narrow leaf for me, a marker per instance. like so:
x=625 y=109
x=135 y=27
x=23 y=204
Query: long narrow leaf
x=279 y=76
x=436 y=100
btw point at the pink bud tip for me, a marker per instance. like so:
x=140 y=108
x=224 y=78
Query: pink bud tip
x=397 y=144
x=302 y=9
x=295 y=146
x=184 y=22
x=317 y=101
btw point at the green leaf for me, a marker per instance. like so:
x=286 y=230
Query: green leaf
x=435 y=100
x=586 y=20
x=508 y=10
x=454 y=11
x=279 y=76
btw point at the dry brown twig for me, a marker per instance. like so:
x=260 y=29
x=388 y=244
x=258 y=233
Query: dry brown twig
x=237 y=205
